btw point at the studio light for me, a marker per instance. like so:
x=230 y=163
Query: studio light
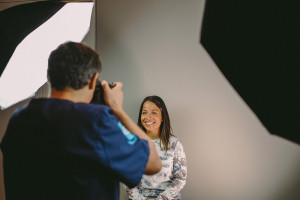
x=26 y=70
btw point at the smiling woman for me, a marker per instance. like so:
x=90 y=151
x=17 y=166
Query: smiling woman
x=154 y=119
x=167 y=184
x=151 y=119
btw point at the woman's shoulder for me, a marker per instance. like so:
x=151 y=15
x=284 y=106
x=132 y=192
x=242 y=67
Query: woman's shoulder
x=174 y=139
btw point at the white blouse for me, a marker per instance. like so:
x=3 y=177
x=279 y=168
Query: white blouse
x=166 y=184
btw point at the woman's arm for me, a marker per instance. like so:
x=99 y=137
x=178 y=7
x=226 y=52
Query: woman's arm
x=179 y=174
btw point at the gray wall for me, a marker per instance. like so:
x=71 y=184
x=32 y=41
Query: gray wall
x=153 y=48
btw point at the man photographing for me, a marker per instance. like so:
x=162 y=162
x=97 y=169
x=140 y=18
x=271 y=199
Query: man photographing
x=62 y=147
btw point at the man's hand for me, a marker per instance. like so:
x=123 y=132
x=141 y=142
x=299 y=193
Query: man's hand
x=113 y=97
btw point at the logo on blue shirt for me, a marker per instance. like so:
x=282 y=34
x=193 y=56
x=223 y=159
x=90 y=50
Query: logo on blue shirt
x=130 y=136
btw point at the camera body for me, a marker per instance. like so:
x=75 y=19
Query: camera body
x=98 y=97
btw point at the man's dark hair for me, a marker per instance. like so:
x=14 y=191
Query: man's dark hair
x=72 y=65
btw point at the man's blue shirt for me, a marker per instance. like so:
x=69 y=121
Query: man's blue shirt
x=57 y=149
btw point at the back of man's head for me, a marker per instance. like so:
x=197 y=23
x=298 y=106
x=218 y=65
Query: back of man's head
x=72 y=65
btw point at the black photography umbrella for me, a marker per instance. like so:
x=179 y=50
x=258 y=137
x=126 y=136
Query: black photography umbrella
x=28 y=33
x=256 y=45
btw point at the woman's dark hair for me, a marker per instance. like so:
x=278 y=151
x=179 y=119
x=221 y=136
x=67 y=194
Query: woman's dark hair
x=72 y=65
x=165 y=130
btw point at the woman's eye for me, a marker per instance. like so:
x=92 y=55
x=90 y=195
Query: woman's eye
x=154 y=113
x=144 y=113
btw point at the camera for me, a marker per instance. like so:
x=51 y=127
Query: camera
x=98 y=97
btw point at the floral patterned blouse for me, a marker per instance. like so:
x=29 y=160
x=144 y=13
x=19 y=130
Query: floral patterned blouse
x=166 y=184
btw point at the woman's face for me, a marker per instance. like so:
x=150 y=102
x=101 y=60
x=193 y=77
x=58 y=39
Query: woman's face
x=151 y=117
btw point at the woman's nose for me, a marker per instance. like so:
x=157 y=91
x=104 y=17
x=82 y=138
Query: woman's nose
x=147 y=116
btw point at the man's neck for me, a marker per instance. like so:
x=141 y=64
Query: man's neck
x=76 y=96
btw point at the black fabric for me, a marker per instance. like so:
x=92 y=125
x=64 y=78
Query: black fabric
x=19 y=21
x=256 y=45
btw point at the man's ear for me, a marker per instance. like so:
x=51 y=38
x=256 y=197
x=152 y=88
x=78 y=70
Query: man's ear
x=93 y=81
